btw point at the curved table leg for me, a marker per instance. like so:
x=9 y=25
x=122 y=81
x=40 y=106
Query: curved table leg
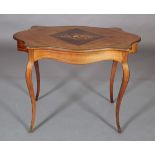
x=36 y=65
x=113 y=71
x=28 y=77
x=126 y=74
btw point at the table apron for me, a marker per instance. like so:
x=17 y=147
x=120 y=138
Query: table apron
x=81 y=58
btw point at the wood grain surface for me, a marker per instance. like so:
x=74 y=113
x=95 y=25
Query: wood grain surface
x=45 y=37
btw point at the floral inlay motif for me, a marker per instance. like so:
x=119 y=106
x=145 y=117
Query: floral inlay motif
x=77 y=36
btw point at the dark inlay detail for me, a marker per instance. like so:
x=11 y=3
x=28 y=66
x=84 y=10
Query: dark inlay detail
x=77 y=36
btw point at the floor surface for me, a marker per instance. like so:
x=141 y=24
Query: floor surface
x=74 y=100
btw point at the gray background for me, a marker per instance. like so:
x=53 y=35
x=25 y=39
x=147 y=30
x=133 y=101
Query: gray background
x=74 y=102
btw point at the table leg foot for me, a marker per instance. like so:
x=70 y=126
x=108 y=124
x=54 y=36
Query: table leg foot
x=28 y=77
x=126 y=75
x=31 y=129
x=119 y=130
x=36 y=65
x=113 y=72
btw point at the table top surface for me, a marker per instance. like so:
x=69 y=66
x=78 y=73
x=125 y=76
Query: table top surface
x=77 y=38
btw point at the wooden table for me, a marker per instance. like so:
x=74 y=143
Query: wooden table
x=77 y=45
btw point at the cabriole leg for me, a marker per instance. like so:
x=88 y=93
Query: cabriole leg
x=124 y=84
x=36 y=65
x=28 y=77
x=113 y=72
